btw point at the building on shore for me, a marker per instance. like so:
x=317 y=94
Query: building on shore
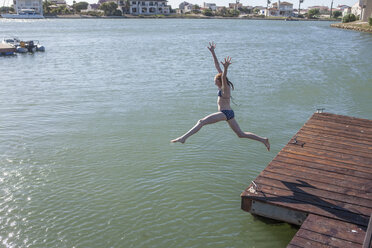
x=211 y=6
x=280 y=9
x=260 y=10
x=93 y=7
x=184 y=8
x=35 y=6
x=149 y=7
x=236 y=5
x=322 y=9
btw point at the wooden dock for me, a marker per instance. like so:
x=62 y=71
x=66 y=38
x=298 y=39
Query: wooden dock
x=321 y=180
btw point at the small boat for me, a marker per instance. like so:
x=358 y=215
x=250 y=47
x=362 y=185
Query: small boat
x=39 y=47
x=24 y=46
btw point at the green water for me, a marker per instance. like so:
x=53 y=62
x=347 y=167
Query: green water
x=85 y=158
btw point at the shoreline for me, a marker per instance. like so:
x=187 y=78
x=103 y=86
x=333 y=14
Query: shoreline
x=355 y=26
x=180 y=17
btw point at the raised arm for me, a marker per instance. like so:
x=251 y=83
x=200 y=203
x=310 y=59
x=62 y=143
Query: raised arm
x=225 y=63
x=211 y=48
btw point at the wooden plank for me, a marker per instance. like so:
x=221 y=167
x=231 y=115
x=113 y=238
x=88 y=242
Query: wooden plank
x=315 y=199
x=293 y=246
x=319 y=185
x=325 y=239
x=323 y=162
x=342 y=119
x=333 y=128
x=340 y=169
x=335 y=228
x=350 y=128
x=329 y=145
x=343 y=124
x=278 y=213
x=307 y=243
x=357 y=182
x=359 y=138
x=332 y=142
x=326 y=136
x=313 y=190
x=364 y=188
x=367 y=243
x=337 y=157
x=287 y=202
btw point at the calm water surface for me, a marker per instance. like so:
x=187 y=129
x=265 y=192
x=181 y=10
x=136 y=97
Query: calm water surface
x=85 y=158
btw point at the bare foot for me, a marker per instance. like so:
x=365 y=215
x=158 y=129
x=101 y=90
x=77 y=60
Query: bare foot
x=266 y=143
x=181 y=140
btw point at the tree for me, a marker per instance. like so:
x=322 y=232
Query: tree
x=46 y=7
x=196 y=9
x=245 y=10
x=349 y=18
x=313 y=12
x=233 y=13
x=61 y=10
x=337 y=14
x=207 y=12
x=6 y=9
x=299 y=7
x=109 y=8
x=80 y=6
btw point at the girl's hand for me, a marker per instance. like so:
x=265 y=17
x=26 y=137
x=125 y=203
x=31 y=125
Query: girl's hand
x=226 y=62
x=212 y=46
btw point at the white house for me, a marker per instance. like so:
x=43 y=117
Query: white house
x=280 y=9
x=261 y=10
x=34 y=5
x=184 y=7
x=147 y=7
x=92 y=7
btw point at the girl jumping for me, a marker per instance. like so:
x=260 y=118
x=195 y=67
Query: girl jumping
x=225 y=113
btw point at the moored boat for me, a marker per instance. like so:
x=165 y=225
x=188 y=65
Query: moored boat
x=24 y=46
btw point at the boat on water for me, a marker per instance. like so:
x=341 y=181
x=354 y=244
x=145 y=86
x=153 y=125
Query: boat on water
x=26 y=9
x=24 y=46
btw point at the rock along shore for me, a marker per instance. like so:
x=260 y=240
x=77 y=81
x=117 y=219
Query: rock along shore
x=357 y=26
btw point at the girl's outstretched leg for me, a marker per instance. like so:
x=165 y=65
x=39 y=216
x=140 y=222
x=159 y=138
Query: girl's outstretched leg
x=210 y=119
x=235 y=127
